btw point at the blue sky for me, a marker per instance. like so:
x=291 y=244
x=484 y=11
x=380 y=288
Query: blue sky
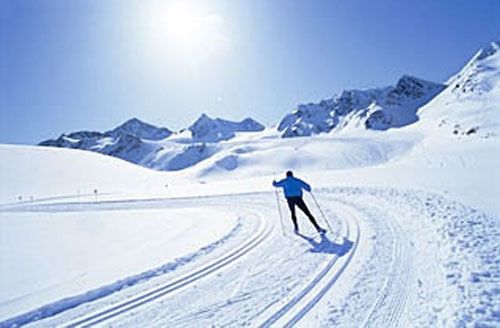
x=92 y=64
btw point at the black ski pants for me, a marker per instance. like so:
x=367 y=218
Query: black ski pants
x=292 y=201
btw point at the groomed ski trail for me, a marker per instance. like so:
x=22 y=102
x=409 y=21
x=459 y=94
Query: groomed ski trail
x=393 y=293
x=301 y=295
x=201 y=271
x=171 y=287
x=277 y=279
x=298 y=306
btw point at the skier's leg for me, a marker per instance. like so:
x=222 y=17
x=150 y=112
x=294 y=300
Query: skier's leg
x=291 y=205
x=303 y=207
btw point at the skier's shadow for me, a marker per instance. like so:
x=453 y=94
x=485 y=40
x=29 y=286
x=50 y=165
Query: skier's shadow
x=327 y=246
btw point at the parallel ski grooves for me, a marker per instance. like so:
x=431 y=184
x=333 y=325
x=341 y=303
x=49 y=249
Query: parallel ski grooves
x=294 y=303
x=170 y=287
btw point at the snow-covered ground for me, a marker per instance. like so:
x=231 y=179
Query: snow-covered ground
x=414 y=235
x=32 y=173
x=47 y=256
x=413 y=218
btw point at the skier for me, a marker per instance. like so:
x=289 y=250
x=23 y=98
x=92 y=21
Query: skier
x=293 y=194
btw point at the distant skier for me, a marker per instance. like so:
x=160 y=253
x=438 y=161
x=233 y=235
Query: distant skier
x=293 y=194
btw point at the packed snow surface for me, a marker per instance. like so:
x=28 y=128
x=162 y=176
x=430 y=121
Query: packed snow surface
x=412 y=216
x=48 y=256
x=414 y=232
x=31 y=173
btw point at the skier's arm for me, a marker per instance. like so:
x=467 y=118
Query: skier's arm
x=278 y=183
x=305 y=185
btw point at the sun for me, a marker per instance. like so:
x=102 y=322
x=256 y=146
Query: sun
x=187 y=28
x=184 y=24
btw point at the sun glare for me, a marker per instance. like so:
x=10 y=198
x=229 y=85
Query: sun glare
x=187 y=28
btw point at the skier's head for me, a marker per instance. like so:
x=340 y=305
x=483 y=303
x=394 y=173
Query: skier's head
x=289 y=173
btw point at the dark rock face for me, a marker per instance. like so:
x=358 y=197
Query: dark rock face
x=141 y=130
x=75 y=140
x=125 y=141
x=207 y=129
x=141 y=143
x=376 y=109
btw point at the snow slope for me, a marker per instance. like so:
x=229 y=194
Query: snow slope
x=62 y=258
x=271 y=156
x=373 y=269
x=375 y=109
x=413 y=218
x=47 y=257
x=29 y=172
x=470 y=103
x=382 y=194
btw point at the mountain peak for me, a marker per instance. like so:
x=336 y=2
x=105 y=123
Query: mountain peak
x=409 y=79
x=470 y=102
x=412 y=87
x=209 y=129
x=140 y=129
x=203 y=117
x=375 y=109
x=489 y=50
x=476 y=76
x=133 y=120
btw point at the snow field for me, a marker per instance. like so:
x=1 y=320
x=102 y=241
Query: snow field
x=180 y=273
x=33 y=173
x=49 y=256
x=405 y=269
x=443 y=270
x=266 y=276
x=421 y=259
x=243 y=158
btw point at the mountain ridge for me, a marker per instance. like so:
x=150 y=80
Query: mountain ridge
x=466 y=105
x=158 y=148
x=470 y=103
x=375 y=109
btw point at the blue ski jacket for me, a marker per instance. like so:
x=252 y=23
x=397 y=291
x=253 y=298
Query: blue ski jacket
x=292 y=186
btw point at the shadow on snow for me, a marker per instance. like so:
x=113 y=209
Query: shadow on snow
x=327 y=246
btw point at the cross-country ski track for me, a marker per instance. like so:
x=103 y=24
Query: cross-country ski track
x=360 y=274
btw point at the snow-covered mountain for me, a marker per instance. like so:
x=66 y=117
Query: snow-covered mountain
x=466 y=105
x=199 y=142
x=207 y=129
x=412 y=217
x=132 y=131
x=158 y=148
x=75 y=140
x=470 y=105
x=376 y=109
x=128 y=141
x=141 y=130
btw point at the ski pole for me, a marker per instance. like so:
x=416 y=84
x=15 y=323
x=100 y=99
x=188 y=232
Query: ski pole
x=321 y=211
x=279 y=210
